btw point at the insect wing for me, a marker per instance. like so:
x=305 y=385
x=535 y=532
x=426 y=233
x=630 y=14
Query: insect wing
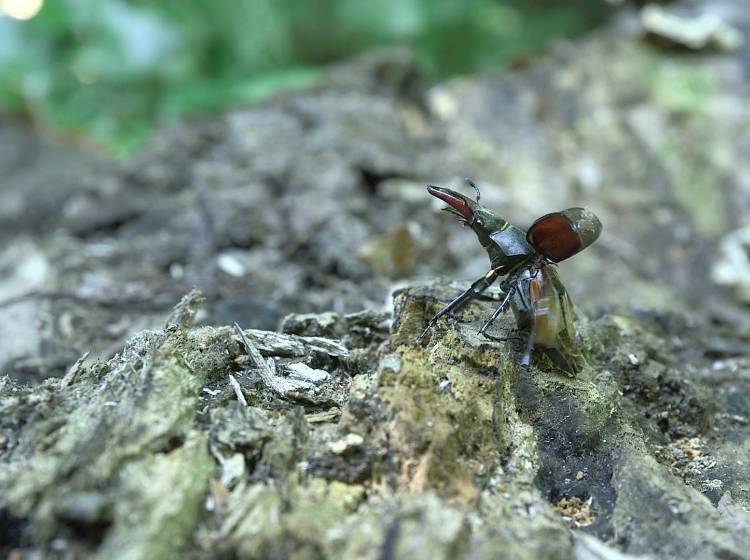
x=553 y=319
x=546 y=309
x=560 y=235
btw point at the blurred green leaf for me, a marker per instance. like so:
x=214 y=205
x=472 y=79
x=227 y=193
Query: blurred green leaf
x=112 y=69
x=215 y=94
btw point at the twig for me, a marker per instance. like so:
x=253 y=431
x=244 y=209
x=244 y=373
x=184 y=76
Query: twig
x=330 y=415
x=150 y=302
x=237 y=390
x=70 y=376
x=266 y=373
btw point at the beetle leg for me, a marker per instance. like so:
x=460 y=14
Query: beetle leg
x=522 y=294
x=502 y=338
x=500 y=308
x=473 y=291
x=494 y=297
x=526 y=358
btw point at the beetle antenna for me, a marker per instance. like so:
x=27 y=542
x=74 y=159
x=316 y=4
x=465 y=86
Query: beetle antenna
x=475 y=187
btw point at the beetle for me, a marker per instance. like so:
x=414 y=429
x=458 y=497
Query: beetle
x=526 y=260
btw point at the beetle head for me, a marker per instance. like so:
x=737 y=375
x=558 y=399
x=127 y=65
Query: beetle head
x=470 y=213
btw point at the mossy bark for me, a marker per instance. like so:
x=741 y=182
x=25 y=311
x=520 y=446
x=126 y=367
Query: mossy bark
x=446 y=449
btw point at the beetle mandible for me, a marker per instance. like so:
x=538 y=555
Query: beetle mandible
x=526 y=260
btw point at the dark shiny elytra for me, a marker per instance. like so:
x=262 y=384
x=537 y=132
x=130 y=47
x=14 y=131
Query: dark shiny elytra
x=560 y=235
x=512 y=242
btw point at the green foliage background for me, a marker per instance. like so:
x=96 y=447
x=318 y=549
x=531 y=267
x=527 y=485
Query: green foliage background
x=112 y=69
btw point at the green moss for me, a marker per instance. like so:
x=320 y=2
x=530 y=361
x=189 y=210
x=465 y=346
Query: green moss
x=466 y=452
x=147 y=399
x=443 y=412
x=210 y=351
x=159 y=499
x=263 y=523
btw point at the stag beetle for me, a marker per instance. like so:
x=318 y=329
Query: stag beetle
x=527 y=261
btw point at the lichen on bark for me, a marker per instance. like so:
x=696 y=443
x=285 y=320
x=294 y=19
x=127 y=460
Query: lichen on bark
x=443 y=449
